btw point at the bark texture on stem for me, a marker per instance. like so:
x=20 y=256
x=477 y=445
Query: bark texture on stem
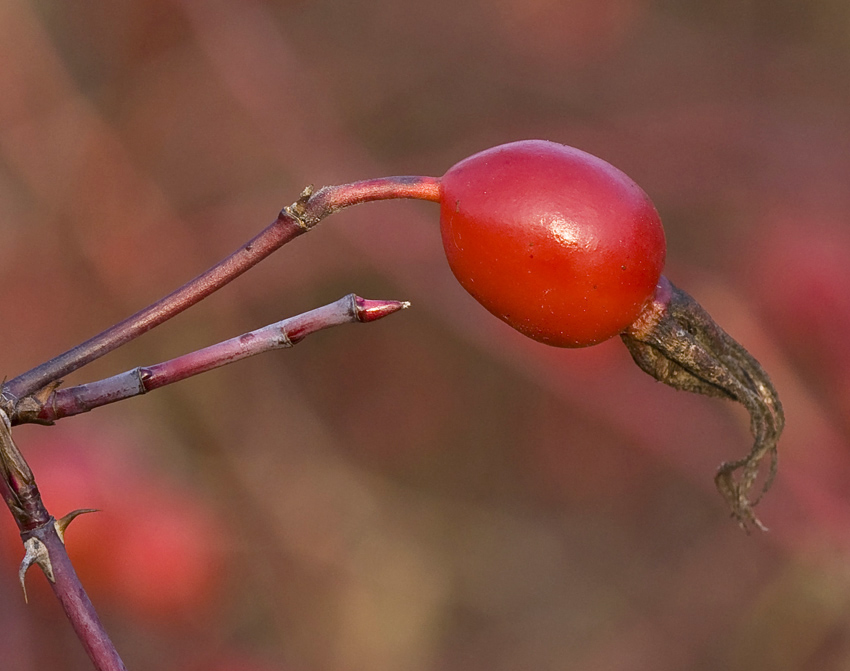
x=283 y=334
x=74 y=600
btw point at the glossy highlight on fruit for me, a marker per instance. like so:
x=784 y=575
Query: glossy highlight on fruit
x=559 y=244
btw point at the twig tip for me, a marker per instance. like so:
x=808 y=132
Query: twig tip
x=368 y=310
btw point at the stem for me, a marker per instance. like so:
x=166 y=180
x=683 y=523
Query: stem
x=330 y=199
x=76 y=603
x=18 y=482
x=43 y=540
x=26 y=395
x=293 y=220
x=283 y=334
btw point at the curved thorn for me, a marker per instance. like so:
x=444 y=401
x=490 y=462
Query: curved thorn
x=36 y=553
x=62 y=523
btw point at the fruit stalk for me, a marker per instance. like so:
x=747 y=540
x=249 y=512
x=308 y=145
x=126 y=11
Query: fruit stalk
x=292 y=221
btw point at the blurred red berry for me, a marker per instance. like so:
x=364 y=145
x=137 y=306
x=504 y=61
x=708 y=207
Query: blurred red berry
x=152 y=550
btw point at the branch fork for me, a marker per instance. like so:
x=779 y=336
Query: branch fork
x=35 y=396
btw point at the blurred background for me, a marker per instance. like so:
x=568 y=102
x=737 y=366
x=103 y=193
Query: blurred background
x=432 y=491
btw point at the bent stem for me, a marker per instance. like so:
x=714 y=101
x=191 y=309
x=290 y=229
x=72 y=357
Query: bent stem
x=292 y=221
x=43 y=538
x=283 y=334
x=678 y=343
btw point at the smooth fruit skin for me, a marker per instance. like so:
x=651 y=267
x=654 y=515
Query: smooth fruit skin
x=559 y=244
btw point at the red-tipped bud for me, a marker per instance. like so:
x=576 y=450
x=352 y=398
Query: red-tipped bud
x=367 y=310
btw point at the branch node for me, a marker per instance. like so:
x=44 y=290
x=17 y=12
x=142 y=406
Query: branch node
x=298 y=209
x=29 y=408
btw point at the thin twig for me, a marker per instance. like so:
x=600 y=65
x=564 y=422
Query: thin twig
x=283 y=334
x=294 y=220
x=23 y=397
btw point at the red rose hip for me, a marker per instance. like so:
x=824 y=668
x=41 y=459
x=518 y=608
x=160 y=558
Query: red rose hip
x=559 y=244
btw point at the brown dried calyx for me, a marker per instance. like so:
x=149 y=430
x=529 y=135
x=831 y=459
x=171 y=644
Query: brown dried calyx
x=678 y=343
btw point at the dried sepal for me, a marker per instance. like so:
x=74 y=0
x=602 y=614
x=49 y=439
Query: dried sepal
x=678 y=343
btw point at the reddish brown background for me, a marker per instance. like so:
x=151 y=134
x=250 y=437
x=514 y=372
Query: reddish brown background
x=431 y=492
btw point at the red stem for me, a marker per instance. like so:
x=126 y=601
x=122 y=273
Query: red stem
x=292 y=222
x=286 y=333
x=330 y=199
x=281 y=231
x=77 y=605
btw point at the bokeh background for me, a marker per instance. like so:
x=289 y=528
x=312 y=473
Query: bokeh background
x=432 y=491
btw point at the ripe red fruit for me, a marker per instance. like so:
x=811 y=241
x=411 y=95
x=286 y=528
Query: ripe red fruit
x=569 y=251
x=559 y=244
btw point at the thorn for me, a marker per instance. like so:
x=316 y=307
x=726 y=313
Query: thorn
x=61 y=524
x=36 y=553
